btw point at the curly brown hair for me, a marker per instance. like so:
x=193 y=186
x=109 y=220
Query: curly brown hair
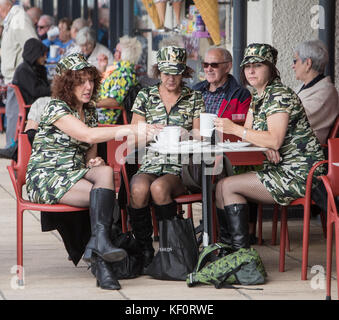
x=63 y=85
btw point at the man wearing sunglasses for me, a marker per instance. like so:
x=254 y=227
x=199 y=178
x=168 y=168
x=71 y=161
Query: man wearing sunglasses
x=222 y=94
x=226 y=98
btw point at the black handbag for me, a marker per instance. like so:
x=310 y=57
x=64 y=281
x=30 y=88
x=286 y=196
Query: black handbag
x=178 y=250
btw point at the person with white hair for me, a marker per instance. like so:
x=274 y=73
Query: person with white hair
x=18 y=28
x=318 y=94
x=44 y=24
x=123 y=76
x=86 y=40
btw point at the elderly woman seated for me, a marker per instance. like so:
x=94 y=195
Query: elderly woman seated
x=317 y=94
x=119 y=79
x=86 y=40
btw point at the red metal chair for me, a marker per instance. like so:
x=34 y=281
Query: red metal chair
x=23 y=110
x=331 y=182
x=18 y=178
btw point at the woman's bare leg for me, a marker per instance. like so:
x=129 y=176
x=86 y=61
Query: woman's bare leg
x=166 y=188
x=242 y=188
x=140 y=190
x=98 y=177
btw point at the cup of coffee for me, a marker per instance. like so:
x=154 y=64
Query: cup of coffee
x=207 y=124
x=53 y=51
x=169 y=136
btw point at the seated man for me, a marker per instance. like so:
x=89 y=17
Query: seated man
x=226 y=98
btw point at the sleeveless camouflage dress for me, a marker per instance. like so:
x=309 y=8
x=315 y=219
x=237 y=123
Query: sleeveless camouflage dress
x=57 y=161
x=149 y=105
x=301 y=149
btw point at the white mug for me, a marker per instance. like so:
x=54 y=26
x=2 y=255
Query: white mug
x=169 y=136
x=207 y=124
x=53 y=51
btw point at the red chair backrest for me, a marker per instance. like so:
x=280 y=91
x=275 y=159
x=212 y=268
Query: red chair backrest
x=24 y=154
x=335 y=129
x=23 y=108
x=333 y=170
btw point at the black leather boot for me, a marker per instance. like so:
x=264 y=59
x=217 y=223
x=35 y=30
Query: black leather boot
x=167 y=211
x=224 y=235
x=103 y=273
x=237 y=223
x=142 y=228
x=101 y=214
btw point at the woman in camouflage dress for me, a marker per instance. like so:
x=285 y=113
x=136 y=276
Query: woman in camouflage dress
x=168 y=103
x=64 y=167
x=277 y=121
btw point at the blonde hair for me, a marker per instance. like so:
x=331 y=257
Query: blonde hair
x=131 y=49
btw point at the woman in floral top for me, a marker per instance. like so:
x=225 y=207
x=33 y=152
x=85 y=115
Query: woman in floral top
x=278 y=122
x=116 y=85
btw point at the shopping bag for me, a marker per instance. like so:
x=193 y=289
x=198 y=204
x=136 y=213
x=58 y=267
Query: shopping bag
x=178 y=250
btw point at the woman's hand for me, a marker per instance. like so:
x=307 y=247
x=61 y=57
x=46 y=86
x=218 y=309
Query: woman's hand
x=273 y=156
x=96 y=162
x=152 y=130
x=224 y=125
x=102 y=62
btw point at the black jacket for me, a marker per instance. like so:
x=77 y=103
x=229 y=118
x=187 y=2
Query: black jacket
x=30 y=77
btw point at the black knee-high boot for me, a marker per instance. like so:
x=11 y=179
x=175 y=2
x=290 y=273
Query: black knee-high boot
x=167 y=211
x=237 y=223
x=224 y=235
x=142 y=228
x=104 y=275
x=101 y=214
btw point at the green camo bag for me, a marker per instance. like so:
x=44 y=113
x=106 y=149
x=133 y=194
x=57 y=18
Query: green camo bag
x=243 y=267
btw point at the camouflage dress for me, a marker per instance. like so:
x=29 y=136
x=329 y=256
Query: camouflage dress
x=301 y=149
x=57 y=161
x=149 y=105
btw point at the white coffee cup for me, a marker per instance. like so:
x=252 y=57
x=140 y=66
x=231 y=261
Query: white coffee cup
x=207 y=124
x=53 y=32
x=53 y=51
x=169 y=136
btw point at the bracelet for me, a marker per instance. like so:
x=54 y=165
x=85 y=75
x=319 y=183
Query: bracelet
x=244 y=134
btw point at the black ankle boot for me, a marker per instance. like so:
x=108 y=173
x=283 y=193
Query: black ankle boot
x=101 y=214
x=224 y=235
x=103 y=273
x=167 y=211
x=237 y=223
x=142 y=228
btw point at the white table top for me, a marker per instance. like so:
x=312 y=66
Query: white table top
x=204 y=149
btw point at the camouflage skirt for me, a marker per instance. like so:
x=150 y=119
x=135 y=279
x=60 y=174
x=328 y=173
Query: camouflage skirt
x=49 y=187
x=284 y=186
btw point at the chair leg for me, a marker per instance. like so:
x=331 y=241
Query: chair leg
x=306 y=233
x=260 y=208
x=283 y=229
x=124 y=220
x=189 y=211
x=20 y=263
x=155 y=225
x=323 y=222
x=329 y=259
x=275 y=225
x=336 y=226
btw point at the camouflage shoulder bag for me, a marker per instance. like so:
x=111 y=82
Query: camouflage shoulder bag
x=243 y=267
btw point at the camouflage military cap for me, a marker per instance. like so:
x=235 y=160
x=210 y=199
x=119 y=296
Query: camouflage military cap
x=172 y=60
x=74 y=62
x=260 y=52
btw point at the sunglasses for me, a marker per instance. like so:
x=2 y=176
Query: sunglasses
x=214 y=65
x=42 y=27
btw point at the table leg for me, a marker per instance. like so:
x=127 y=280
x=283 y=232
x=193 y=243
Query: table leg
x=207 y=205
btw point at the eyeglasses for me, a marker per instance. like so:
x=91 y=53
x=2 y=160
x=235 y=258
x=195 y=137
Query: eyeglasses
x=214 y=65
x=42 y=27
x=295 y=61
